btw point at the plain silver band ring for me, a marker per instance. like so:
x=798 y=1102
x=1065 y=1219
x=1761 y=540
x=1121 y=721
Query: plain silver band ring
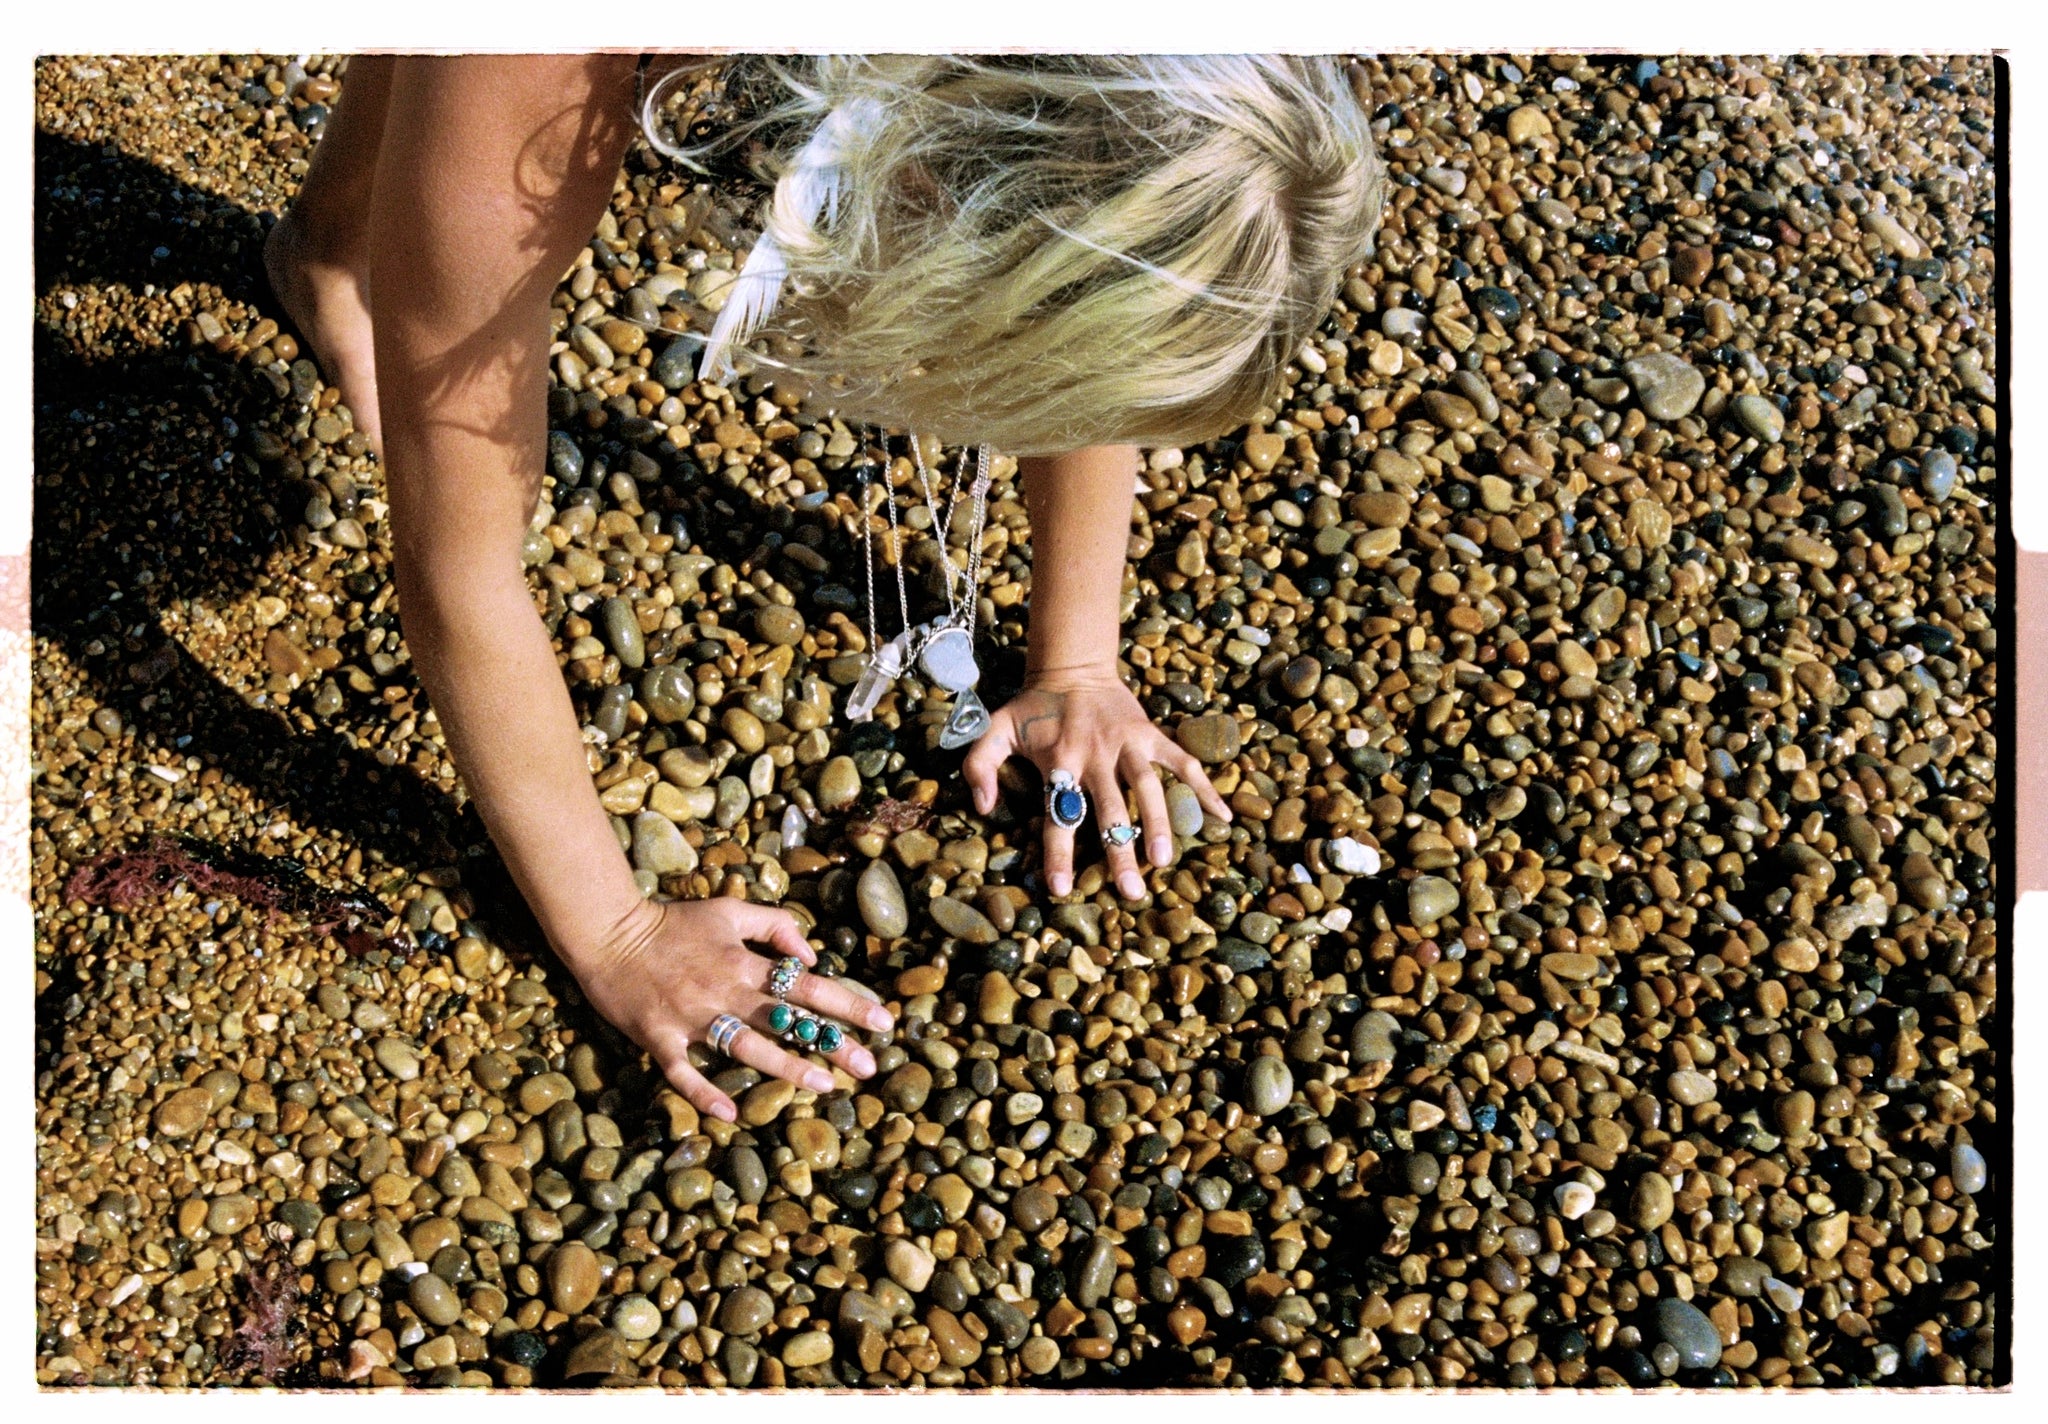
x=724 y=1030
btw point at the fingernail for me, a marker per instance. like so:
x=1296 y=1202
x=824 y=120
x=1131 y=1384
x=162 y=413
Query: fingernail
x=1059 y=884
x=818 y=1081
x=864 y=1063
x=1162 y=852
x=725 y=1112
x=1132 y=884
x=879 y=1020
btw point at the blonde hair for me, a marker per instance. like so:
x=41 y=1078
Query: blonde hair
x=1043 y=252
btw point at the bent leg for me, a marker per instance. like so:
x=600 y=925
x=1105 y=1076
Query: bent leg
x=318 y=255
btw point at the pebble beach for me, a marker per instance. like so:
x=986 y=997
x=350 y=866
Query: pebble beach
x=1594 y=640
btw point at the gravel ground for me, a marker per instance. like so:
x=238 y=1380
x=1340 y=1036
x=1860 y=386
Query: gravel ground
x=1595 y=644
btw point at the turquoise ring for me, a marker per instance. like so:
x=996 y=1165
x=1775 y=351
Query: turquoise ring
x=803 y=1030
x=1117 y=837
x=782 y=979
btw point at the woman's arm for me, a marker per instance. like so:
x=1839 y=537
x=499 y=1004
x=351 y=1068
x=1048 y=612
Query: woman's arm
x=1075 y=713
x=493 y=172
x=1080 y=509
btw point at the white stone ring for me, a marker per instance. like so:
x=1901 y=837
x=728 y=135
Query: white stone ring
x=1118 y=836
x=725 y=1029
x=1065 y=804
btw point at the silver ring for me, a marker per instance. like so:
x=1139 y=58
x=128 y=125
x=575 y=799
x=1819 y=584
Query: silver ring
x=1119 y=836
x=724 y=1030
x=1066 y=805
x=782 y=979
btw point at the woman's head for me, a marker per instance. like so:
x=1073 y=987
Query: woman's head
x=1050 y=251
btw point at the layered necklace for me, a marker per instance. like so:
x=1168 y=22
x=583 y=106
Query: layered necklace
x=943 y=648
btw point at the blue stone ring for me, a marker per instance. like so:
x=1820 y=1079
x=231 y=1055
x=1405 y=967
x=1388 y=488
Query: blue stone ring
x=782 y=980
x=1064 y=802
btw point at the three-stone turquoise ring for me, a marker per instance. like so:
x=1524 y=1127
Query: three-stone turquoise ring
x=1065 y=805
x=782 y=980
x=803 y=1030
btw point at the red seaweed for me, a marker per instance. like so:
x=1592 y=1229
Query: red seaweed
x=122 y=879
x=262 y=1340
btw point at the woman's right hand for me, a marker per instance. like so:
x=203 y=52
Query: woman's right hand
x=672 y=969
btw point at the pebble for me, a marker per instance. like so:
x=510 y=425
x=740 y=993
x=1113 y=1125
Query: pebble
x=838 y=785
x=746 y=1311
x=1212 y=739
x=1373 y=1037
x=1348 y=857
x=1526 y=124
x=1184 y=810
x=1744 y=1276
x=908 y=1264
x=1650 y=1204
x=881 y=901
x=1758 y=417
x=779 y=627
x=1430 y=898
x=962 y=921
x=807 y=1350
x=184 y=1112
x=1098 y=1274
x=622 y=631
x=1938 y=475
x=1269 y=1086
x=636 y=1318
x=1686 y=1328
x=1264 y=449
x=574 y=1276
x=231 y=1214
x=1691 y=1088
x=907 y=1088
x=1967 y=1169
x=1667 y=386
x=1574 y=1200
x=659 y=847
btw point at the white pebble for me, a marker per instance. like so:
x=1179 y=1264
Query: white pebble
x=1349 y=857
x=1574 y=1200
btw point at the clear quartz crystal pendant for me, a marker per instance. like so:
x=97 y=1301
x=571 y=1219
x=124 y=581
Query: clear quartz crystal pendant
x=947 y=657
x=885 y=665
x=967 y=724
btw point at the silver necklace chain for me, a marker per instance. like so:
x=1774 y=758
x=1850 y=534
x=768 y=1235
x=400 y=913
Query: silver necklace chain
x=944 y=648
x=959 y=588
x=942 y=527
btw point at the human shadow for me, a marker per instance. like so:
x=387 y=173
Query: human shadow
x=148 y=507
x=150 y=511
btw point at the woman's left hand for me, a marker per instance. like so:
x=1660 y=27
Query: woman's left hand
x=1091 y=727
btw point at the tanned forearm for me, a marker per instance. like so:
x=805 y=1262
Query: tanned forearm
x=485 y=191
x=1080 y=509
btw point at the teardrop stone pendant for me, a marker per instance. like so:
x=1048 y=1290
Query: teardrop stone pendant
x=967 y=724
